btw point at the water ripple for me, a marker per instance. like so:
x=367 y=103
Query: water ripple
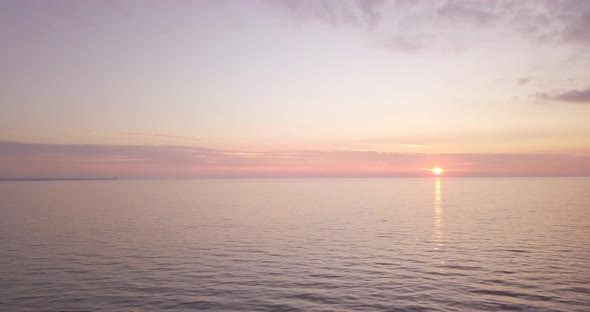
x=298 y=245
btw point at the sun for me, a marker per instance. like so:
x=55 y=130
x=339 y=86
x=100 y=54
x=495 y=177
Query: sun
x=437 y=170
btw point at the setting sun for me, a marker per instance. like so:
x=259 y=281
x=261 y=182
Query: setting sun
x=437 y=170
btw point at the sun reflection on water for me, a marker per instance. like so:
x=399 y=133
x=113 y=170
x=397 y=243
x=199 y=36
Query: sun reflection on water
x=438 y=221
x=438 y=218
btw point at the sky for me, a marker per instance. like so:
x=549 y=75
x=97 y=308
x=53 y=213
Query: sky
x=269 y=88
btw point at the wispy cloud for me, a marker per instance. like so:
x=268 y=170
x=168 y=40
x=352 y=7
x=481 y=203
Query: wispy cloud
x=166 y=136
x=358 y=13
x=414 y=26
x=479 y=13
x=523 y=81
x=141 y=161
x=411 y=145
x=576 y=17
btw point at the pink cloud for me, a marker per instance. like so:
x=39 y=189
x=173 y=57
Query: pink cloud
x=168 y=161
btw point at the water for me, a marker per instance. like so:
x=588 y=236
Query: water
x=296 y=245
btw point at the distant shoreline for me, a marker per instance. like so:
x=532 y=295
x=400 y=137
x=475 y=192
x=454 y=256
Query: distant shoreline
x=55 y=179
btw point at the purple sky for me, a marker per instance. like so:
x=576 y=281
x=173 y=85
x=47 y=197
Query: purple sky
x=294 y=88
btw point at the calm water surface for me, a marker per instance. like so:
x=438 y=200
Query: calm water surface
x=296 y=245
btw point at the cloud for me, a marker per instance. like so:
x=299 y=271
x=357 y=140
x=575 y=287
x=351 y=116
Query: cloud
x=470 y=12
x=21 y=160
x=414 y=26
x=523 y=81
x=408 y=44
x=574 y=96
x=577 y=21
x=360 y=13
x=167 y=136
x=412 y=145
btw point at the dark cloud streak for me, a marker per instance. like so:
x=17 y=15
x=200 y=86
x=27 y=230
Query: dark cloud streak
x=573 y=96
